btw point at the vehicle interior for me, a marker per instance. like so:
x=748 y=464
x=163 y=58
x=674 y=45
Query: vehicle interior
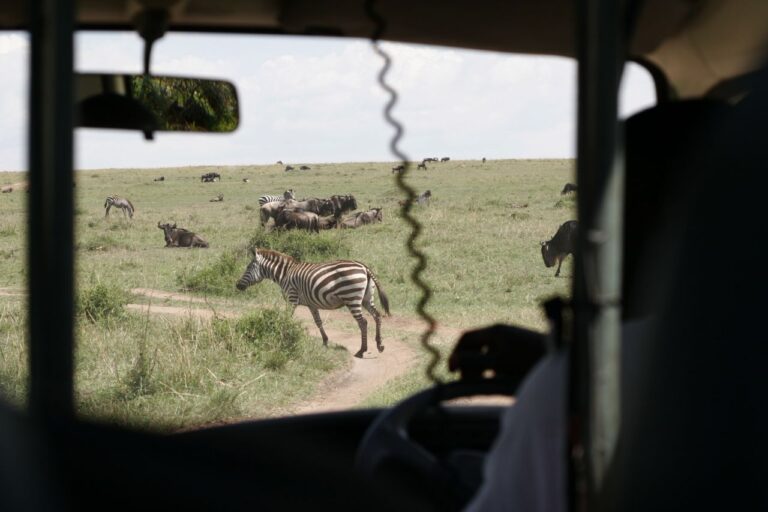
x=665 y=416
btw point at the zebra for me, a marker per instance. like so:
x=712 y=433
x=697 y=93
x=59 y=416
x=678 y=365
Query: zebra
x=119 y=202
x=321 y=286
x=288 y=194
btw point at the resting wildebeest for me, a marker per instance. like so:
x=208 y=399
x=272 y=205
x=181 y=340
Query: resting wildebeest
x=297 y=219
x=180 y=237
x=161 y=178
x=444 y=159
x=304 y=168
x=361 y=218
x=561 y=245
x=315 y=205
x=398 y=168
x=422 y=165
x=424 y=197
x=569 y=187
x=219 y=198
x=328 y=222
x=246 y=180
x=343 y=204
x=289 y=168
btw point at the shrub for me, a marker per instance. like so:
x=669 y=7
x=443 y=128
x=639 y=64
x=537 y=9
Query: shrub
x=302 y=245
x=101 y=301
x=275 y=335
x=217 y=278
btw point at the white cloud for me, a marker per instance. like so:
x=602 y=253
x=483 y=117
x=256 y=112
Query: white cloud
x=307 y=99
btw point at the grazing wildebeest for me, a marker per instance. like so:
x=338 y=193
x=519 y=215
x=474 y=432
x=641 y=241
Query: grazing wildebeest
x=343 y=204
x=180 y=237
x=315 y=205
x=398 y=168
x=569 y=187
x=422 y=165
x=361 y=218
x=210 y=177
x=288 y=194
x=297 y=219
x=321 y=286
x=304 y=168
x=270 y=210
x=289 y=168
x=119 y=202
x=279 y=162
x=219 y=198
x=161 y=178
x=444 y=159
x=561 y=245
x=429 y=160
x=483 y=159
x=424 y=197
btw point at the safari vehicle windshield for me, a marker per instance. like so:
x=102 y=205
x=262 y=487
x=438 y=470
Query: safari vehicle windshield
x=165 y=229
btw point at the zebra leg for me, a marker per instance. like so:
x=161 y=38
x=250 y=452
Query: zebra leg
x=319 y=324
x=106 y=214
x=363 y=323
x=377 y=318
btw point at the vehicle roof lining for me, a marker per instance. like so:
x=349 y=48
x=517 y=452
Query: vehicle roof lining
x=697 y=43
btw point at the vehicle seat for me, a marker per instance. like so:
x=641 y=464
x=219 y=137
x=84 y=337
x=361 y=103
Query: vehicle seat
x=694 y=422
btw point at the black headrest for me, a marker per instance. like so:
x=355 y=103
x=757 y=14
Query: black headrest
x=662 y=146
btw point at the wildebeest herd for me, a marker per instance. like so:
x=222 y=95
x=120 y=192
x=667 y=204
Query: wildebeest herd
x=334 y=284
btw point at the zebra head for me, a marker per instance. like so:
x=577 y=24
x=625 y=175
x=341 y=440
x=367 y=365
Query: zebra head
x=253 y=272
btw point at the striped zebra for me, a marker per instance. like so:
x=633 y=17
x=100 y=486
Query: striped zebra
x=288 y=194
x=321 y=286
x=119 y=202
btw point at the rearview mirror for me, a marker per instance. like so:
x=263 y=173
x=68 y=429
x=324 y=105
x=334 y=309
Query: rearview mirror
x=155 y=103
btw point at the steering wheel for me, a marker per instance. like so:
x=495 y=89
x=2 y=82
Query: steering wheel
x=387 y=438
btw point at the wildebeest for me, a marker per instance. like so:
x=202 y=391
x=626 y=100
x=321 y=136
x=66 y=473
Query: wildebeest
x=210 y=177
x=161 y=178
x=561 y=245
x=313 y=204
x=279 y=162
x=444 y=159
x=483 y=159
x=297 y=219
x=246 y=180
x=219 y=198
x=328 y=222
x=343 y=204
x=424 y=197
x=180 y=237
x=422 y=165
x=361 y=218
x=429 y=160
x=289 y=168
x=270 y=210
x=304 y=168
x=569 y=187
x=398 y=168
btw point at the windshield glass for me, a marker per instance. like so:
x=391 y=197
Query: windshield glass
x=165 y=339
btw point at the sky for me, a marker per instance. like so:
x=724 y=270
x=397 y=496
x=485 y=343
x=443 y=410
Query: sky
x=308 y=100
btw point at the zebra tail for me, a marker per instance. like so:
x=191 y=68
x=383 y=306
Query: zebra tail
x=382 y=296
x=130 y=203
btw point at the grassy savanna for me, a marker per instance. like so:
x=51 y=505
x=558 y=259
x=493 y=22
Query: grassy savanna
x=481 y=234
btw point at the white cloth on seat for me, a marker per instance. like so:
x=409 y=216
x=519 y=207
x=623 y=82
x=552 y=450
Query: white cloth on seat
x=526 y=469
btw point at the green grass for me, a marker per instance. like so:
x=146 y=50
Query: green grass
x=481 y=234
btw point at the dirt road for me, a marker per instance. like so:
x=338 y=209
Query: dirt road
x=343 y=389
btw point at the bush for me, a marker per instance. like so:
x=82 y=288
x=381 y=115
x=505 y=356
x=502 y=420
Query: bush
x=217 y=278
x=275 y=335
x=302 y=245
x=101 y=301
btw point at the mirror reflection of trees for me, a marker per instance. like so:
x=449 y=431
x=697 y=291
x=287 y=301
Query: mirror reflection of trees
x=183 y=104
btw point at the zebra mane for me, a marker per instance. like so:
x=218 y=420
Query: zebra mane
x=274 y=255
